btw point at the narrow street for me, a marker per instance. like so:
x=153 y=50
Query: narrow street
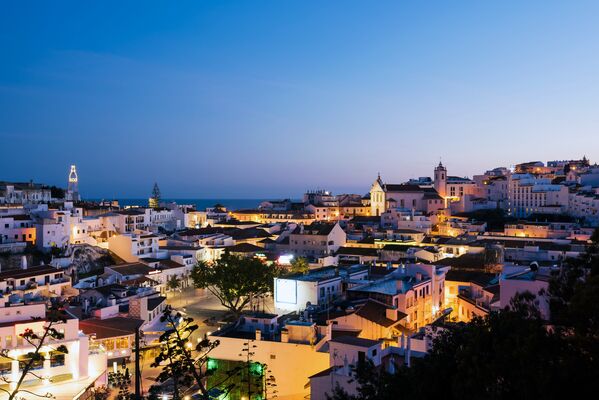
x=198 y=304
x=206 y=311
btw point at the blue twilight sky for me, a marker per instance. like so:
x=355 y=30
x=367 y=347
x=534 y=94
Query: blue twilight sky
x=254 y=99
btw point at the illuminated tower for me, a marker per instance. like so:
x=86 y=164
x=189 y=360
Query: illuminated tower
x=441 y=180
x=73 y=188
x=154 y=201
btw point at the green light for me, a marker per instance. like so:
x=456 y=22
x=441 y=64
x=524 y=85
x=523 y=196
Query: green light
x=212 y=364
x=256 y=368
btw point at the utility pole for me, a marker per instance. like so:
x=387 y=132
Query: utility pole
x=137 y=369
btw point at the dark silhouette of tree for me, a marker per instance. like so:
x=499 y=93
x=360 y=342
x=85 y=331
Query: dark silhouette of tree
x=156 y=197
x=510 y=354
x=173 y=283
x=56 y=192
x=184 y=365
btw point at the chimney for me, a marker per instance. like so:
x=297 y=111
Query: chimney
x=24 y=262
x=418 y=276
x=284 y=335
x=329 y=331
x=258 y=334
x=391 y=313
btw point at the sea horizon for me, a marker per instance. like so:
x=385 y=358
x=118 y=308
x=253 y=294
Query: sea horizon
x=200 y=204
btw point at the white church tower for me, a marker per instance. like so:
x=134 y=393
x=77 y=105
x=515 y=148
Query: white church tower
x=441 y=180
x=73 y=188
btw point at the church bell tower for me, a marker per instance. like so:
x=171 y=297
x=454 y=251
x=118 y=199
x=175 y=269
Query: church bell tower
x=441 y=180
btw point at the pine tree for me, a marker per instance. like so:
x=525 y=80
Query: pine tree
x=155 y=199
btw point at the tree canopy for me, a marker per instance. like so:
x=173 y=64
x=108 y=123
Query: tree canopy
x=235 y=280
x=300 y=265
x=173 y=283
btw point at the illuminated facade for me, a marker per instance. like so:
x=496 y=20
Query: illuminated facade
x=78 y=368
x=416 y=290
x=528 y=195
x=296 y=345
x=384 y=196
x=24 y=193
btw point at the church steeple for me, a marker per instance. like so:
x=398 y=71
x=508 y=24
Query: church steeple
x=441 y=180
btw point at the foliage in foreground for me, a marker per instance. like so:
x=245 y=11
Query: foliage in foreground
x=511 y=354
x=184 y=365
x=42 y=346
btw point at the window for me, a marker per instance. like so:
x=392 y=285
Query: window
x=24 y=361
x=5 y=367
x=122 y=343
x=361 y=357
x=56 y=359
x=109 y=344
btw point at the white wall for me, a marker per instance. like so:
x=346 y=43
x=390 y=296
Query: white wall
x=291 y=363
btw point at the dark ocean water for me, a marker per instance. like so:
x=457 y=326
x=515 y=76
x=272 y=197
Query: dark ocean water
x=201 y=204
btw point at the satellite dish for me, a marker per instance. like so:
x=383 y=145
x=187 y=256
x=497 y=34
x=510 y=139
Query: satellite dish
x=534 y=266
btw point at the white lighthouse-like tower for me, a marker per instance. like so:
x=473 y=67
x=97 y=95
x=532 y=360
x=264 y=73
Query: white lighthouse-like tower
x=73 y=188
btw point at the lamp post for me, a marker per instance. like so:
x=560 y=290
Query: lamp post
x=137 y=369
